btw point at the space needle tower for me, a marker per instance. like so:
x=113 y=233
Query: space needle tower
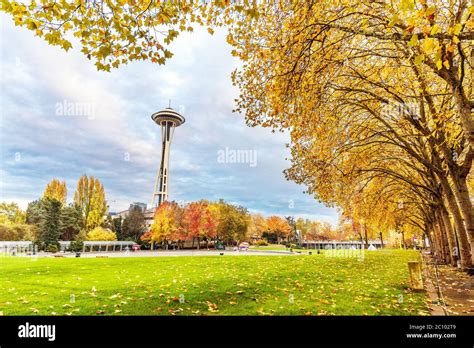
x=168 y=120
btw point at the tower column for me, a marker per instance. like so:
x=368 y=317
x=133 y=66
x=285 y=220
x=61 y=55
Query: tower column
x=168 y=120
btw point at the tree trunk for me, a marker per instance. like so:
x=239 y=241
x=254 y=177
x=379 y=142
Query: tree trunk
x=449 y=233
x=464 y=246
x=467 y=210
x=439 y=243
x=381 y=240
x=366 y=237
x=444 y=240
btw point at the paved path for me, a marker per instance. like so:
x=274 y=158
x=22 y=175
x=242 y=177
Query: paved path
x=451 y=292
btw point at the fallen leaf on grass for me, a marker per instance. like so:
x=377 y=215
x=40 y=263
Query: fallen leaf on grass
x=212 y=307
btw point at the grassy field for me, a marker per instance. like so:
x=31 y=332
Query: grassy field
x=210 y=285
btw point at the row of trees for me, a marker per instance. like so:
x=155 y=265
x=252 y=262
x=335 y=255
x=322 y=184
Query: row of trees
x=198 y=221
x=221 y=221
x=50 y=219
x=378 y=98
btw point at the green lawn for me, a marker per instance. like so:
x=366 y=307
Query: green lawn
x=210 y=285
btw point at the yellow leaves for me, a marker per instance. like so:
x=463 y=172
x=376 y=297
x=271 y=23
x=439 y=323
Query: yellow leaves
x=210 y=31
x=117 y=295
x=430 y=11
x=457 y=29
x=435 y=29
x=426 y=30
x=407 y=5
x=32 y=24
x=394 y=21
x=67 y=26
x=413 y=41
x=53 y=38
x=429 y=45
x=66 y=45
x=419 y=59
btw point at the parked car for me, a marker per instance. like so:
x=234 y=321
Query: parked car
x=244 y=246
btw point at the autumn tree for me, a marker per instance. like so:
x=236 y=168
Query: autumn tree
x=90 y=199
x=279 y=227
x=56 y=189
x=166 y=224
x=11 y=214
x=257 y=226
x=200 y=221
x=233 y=224
x=127 y=31
x=99 y=233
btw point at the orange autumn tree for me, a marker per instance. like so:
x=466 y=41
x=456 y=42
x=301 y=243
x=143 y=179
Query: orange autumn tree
x=279 y=227
x=257 y=226
x=200 y=221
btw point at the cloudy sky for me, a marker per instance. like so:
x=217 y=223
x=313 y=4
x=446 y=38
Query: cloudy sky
x=109 y=134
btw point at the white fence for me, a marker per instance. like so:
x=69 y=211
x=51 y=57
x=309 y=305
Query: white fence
x=25 y=247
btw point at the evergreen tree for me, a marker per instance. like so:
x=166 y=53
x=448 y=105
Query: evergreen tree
x=117 y=227
x=50 y=224
x=70 y=222
x=34 y=213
